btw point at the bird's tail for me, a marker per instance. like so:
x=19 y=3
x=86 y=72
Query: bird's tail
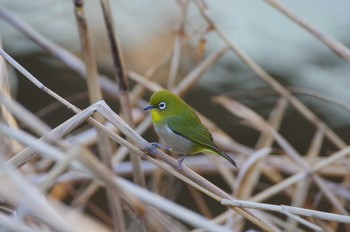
x=228 y=158
x=216 y=150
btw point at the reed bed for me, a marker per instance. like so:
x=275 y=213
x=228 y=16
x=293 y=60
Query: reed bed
x=50 y=177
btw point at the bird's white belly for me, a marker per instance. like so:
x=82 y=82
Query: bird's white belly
x=174 y=141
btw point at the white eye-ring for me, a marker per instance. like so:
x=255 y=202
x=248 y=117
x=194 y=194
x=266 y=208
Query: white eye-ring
x=162 y=105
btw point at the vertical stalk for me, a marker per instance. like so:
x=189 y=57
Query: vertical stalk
x=5 y=113
x=121 y=77
x=95 y=95
x=178 y=46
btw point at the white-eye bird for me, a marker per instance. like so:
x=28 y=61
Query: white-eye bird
x=177 y=124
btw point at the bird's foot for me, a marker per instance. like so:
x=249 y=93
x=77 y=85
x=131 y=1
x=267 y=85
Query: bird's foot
x=158 y=145
x=150 y=150
x=179 y=163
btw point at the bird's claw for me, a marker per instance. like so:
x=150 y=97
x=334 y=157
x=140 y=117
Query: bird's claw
x=158 y=145
x=151 y=149
x=179 y=165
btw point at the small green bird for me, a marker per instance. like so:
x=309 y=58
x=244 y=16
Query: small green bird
x=177 y=124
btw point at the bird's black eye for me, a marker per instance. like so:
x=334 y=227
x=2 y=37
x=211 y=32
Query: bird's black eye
x=162 y=105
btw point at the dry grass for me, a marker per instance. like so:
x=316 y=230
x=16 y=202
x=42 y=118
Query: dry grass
x=49 y=176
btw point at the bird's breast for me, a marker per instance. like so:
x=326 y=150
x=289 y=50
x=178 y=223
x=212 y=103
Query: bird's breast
x=177 y=142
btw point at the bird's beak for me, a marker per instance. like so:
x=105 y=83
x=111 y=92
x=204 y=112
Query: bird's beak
x=148 y=108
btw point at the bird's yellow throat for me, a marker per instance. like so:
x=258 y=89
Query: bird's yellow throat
x=156 y=117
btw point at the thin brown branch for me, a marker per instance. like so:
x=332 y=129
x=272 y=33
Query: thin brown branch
x=196 y=73
x=121 y=78
x=259 y=123
x=95 y=94
x=334 y=45
x=192 y=177
x=294 y=210
x=261 y=73
x=178 y=45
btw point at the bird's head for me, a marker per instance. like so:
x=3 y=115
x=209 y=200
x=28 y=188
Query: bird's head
x=164 y=104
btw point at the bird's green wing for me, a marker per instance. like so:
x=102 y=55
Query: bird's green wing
x=190 y=127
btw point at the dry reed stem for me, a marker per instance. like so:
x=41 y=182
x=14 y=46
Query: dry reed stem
x=94 y=162
x=200 y=201
x=223 y=170
x=53 y=153
x=290 y=209
x=192 y=78
x=247 y=175
x=201 y=165
x=185 y=84
x=178 y=45
x=334 y=45
x=223 y=140
x=135 y=94
x=5 y=113
x=300 y=197
x=247 y=115
x=6 y=108
x=95 y=95
x=294 y=90
x=15 y=192
x=262 y=74
x=66 y=57
x=92 y=80
x=26 y=117
x=120 y=74
x=171 y=208
x=252 y=175
x=308 y=92
x=300 y=175
x=205 y=186
x=12 y=224
x=139 y=90
x=260 y=124
x=102 y=108
x=273 y=167
x=279 y=165
x=275 y=119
